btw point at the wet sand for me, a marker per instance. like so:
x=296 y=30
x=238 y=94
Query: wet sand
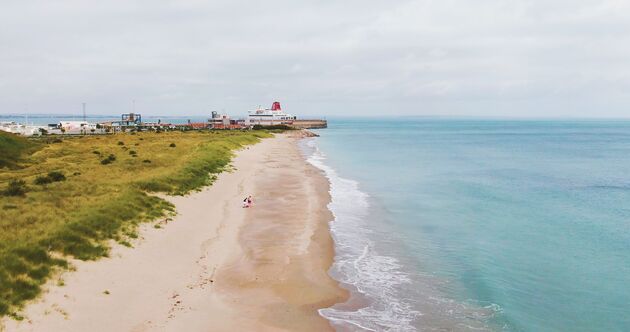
x=216 y=266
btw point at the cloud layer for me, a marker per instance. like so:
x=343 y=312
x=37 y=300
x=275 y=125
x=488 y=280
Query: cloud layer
x=487 y=57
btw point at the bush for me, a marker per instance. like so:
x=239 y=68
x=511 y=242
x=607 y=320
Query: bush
x=133 y=153
x=15 y=188
x=172 y=145
x=42 y=180
x=146 y=161
x=121 y=143
x=108 y=160
x=53 y=176
x=56 y=176
x=97 y=152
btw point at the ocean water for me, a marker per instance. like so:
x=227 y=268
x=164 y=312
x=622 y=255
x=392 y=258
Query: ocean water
x=469 y=225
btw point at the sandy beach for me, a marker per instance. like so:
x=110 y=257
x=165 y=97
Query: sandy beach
x=216 y=266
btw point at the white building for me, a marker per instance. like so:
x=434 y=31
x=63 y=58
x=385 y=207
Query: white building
x=73 y=125
x=21 y=129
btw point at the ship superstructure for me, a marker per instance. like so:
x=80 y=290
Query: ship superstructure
x=270 y=116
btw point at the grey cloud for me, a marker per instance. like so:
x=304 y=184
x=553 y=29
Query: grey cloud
x=488 y=57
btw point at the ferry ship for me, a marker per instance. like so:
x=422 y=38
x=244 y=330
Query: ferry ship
x=270 y=116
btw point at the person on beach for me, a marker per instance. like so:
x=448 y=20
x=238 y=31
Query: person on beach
x=247 y=202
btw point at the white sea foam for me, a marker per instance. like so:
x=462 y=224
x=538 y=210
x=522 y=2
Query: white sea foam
x=378 y=278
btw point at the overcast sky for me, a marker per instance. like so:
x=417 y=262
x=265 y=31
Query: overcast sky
x=354 y=57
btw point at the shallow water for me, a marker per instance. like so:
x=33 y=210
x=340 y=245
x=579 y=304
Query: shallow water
x=480 y=224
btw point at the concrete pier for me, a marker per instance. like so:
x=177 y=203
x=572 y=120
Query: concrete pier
x=310 y=124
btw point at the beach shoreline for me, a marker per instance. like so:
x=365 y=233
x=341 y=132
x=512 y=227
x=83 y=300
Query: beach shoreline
x=216 y=266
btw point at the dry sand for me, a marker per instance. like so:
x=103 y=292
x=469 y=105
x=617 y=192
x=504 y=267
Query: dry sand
x=216 y=266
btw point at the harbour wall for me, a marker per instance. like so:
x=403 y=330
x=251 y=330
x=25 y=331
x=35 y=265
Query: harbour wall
x=310 y=124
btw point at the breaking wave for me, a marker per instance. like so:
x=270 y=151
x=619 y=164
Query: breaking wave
x=372 y=276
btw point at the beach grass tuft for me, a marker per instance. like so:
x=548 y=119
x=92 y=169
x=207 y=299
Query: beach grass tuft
x=105 y=199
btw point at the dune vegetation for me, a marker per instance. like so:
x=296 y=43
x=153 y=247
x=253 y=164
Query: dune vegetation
x=69 y=197
x=13 y=147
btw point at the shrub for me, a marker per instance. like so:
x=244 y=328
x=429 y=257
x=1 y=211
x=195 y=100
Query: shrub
x=56 y=176
x=121 y=143
x=42 y=180
x=132 y=152
x=97 y=152
x=108 y=160
x=16 y=188
x=147 y=161
x=172 y=145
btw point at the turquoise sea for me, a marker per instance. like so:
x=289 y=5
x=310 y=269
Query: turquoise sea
x=461 y=225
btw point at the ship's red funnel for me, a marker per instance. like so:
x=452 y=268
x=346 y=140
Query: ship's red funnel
x=275 y=106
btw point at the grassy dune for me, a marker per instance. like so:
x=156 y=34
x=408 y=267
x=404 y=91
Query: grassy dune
x=13 y=148
x=67 y=199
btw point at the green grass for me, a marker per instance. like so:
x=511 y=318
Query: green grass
x=13 y=148
x=73 y=204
